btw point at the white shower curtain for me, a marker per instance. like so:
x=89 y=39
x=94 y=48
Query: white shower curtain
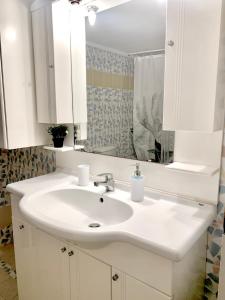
x=148 y=109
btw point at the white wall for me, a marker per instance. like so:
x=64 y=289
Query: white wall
x=188 y=147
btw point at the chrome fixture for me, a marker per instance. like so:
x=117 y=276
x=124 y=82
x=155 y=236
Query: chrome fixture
x=170 y=43
x=115 y=277
x=63 y=249
x=92 y=10
x=148 y=52
x=108 y=182
x=75 y=1
x=71 y=253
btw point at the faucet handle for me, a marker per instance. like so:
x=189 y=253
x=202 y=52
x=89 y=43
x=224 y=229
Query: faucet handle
x=108 y=176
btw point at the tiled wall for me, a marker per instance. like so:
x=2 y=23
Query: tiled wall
x=110 y=100
x=215 y=233
x=18 y=165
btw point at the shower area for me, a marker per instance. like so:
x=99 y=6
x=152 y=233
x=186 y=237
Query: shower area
x=150 y=142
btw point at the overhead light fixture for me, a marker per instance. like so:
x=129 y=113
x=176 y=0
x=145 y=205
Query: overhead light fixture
x=92 y=10
x=75 y=1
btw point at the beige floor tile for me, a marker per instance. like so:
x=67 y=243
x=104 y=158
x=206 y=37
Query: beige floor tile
x=8 y=289
x=3 y=277
x=7 y=254
x=8 y=285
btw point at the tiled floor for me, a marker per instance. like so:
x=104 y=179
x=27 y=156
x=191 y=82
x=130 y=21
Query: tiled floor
x=8 y=284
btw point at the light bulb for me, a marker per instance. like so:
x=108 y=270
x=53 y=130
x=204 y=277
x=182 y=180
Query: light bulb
x=92 y=17
x=92 y=14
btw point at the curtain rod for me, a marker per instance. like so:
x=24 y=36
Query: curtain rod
x=150 y=52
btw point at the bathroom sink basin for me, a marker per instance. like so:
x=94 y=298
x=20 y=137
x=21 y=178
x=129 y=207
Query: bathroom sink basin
x=166 y=225
x=77 y=209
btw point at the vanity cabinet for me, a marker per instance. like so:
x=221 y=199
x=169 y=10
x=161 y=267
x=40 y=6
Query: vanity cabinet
x=60 y=62
x=194 y=70
x=18 y=121
x=51 y=268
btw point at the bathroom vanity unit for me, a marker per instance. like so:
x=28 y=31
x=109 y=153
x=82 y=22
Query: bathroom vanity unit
x=75 y=243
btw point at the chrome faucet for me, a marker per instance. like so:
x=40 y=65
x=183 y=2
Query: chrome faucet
x=108 y=182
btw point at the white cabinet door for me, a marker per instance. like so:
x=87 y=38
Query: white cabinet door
x=90 y=278
x=78 y=52
x=24 y=258
x=18 y=104
x=194 y=92
x=52 y=52
x=51 y=265
x=125 y=287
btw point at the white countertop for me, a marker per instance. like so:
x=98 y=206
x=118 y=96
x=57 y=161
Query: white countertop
x=168 y=226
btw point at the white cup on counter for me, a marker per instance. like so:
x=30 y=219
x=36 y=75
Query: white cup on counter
x=83 y=175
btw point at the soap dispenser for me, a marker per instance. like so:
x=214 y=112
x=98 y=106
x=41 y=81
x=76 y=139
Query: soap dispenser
x=137 y=185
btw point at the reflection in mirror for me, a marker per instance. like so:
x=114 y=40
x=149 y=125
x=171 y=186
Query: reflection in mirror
x=125 y=82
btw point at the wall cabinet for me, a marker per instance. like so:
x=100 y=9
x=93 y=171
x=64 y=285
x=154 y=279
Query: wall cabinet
x=50 y=268
x=18 y=122
x=60 y=62
x=194 y=73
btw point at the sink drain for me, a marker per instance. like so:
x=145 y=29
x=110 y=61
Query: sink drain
x=94 y=225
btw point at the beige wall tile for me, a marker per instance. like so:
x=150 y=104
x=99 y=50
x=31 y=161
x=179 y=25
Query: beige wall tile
x=109 y=80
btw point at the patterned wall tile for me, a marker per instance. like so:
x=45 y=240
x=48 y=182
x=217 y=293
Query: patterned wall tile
x=109 y=62
x=110 y=110
x=215 y=234
x=20 y=164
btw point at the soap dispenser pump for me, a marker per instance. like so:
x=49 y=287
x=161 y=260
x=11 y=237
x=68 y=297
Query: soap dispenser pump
x=137 y=185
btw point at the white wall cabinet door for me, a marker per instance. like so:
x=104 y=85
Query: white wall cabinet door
x=24 y=258
x=51 y=268
x=194 y=71
x=19 y=127
x=90 y=278
x=78 y=52
x=52 y=52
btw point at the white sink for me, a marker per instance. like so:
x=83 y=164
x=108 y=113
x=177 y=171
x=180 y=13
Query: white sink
x=79 y=208
x=166 y=225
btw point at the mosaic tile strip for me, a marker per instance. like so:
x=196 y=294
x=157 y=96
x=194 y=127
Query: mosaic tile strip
x=6 y=235
x=20 y=164
x=8 y=269
x=215 y=234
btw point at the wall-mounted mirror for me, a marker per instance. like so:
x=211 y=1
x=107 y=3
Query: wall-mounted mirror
x=125 y=81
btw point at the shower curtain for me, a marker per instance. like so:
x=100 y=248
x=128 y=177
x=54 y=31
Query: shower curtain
x=150 y=142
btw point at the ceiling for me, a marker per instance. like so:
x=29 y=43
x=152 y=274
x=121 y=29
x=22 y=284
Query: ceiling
x=138 y=25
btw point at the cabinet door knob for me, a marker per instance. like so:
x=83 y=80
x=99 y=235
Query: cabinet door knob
x=63 y=249
x=115 y=277
x=71 y=253
x=51 y=66
x=21 y=227
x=170 y=43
